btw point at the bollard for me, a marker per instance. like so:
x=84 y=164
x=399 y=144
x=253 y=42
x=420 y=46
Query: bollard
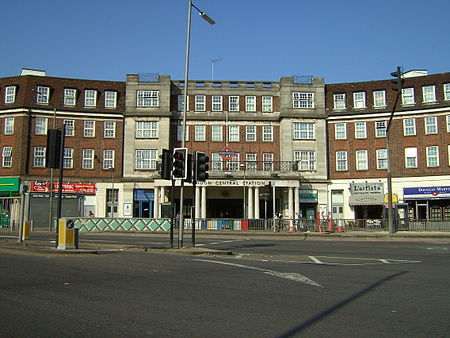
x=66 y=234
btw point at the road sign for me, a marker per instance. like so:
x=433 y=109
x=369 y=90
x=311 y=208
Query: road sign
x=227 y=153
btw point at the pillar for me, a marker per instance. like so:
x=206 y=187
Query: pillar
x=256 y=202
x=250 y=202
x=291 y=203
x=203 y=207
x=156 y=203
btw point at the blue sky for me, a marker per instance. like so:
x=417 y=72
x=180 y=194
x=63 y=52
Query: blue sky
x=256 y=40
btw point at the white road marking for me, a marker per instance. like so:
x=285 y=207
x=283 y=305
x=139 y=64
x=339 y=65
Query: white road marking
x=385 y=261
x=221 y=242
x=286 y=275
x=315 y=260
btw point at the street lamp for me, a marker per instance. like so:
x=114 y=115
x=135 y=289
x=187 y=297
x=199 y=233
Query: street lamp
x=186 y=79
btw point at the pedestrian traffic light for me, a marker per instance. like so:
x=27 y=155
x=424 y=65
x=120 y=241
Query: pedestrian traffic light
x=201 y=166
x=179 y=170
x=398 y=82
x=53 y=150
x=165 y=165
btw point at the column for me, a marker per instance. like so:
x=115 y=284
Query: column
x=256 y=202
x=203 y=208
x=198 y=207
x=291 y=203
x=296 y=202
x=250 y=202
x=156 y=203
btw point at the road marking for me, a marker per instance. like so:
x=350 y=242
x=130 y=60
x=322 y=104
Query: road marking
x=315 y=260
x=286 y=275
x=385 y=261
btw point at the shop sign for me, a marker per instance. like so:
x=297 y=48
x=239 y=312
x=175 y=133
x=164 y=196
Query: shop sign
x=67 y=188
x=9 y=184
x=366 y=200
x=394 y=198
x=308 y=196
x=426 y=193
x=366 y=188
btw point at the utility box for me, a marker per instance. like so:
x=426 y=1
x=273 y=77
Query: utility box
x=66 y=234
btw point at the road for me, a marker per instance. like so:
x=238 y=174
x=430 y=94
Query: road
x=270 y=287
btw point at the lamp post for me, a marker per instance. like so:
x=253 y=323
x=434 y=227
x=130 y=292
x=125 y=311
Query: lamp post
x=186 y=79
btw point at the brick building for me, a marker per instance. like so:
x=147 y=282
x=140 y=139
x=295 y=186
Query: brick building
x=92 y=112
x=358 y=115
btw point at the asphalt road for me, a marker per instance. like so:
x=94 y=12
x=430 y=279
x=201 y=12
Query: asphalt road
x=270 y=288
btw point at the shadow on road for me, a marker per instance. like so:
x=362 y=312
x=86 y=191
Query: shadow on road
x=296 y=330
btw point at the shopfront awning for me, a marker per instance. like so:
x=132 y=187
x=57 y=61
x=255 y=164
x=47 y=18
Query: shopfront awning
x=366 y=200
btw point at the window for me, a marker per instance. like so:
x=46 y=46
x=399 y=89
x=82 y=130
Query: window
x=302 y=100
x=200 y=133
x=68 y=158
x=341 y=160
x=41 y=126
x=39 y=157
x=268 y=162
x=145 y=159
x=9 y=125
x=216 y=133
x=410 y=157
x=146 y=129
x=88 y=159
x=340 y=131
x=429 y=94
x=233 y=133
x=217 y=103
x=306 y=159
x=433 y=156
x=380 y=128
x=250 y=133
x=430 y=125
x=339 y=101
x=360 y=130
x=379 y=99
x=250 y=161
x=409 y=127
x=233 y=165
x=200 y=102
x=250 y=103
x=180 y=102
x=359 y=100
x=447 y=91
x=70 y=97
x=407 y=96
x=69 y=126
x=10 y=94
x=233 y=103
x=267 y=133
x=109 y=129
x=42 y=95
x=216 y=162
x=361 y=160
x=382 y=160
x=147 y=98
x=110 y=99
x=108 y=159
x=448 y=123
x=89 y=128
x=7 y=157
x=304 y=131
x=180 y=133
x=90 y=98
x=267 y=104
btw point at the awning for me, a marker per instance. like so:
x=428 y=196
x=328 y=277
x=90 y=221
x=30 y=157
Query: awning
x=366 y=200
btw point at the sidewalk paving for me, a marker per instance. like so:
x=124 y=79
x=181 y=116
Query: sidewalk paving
x=48 y=246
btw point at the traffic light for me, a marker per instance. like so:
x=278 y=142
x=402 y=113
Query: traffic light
x=166 y=164
x=53 y=150
x=398 y=82
x=179 y=169
x=201 y=166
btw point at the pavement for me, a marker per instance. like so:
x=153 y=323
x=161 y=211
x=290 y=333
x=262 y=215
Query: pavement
x=44 y=241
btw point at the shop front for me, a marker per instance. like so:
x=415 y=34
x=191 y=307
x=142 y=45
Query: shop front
x=431 y=203
x=367 y=200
